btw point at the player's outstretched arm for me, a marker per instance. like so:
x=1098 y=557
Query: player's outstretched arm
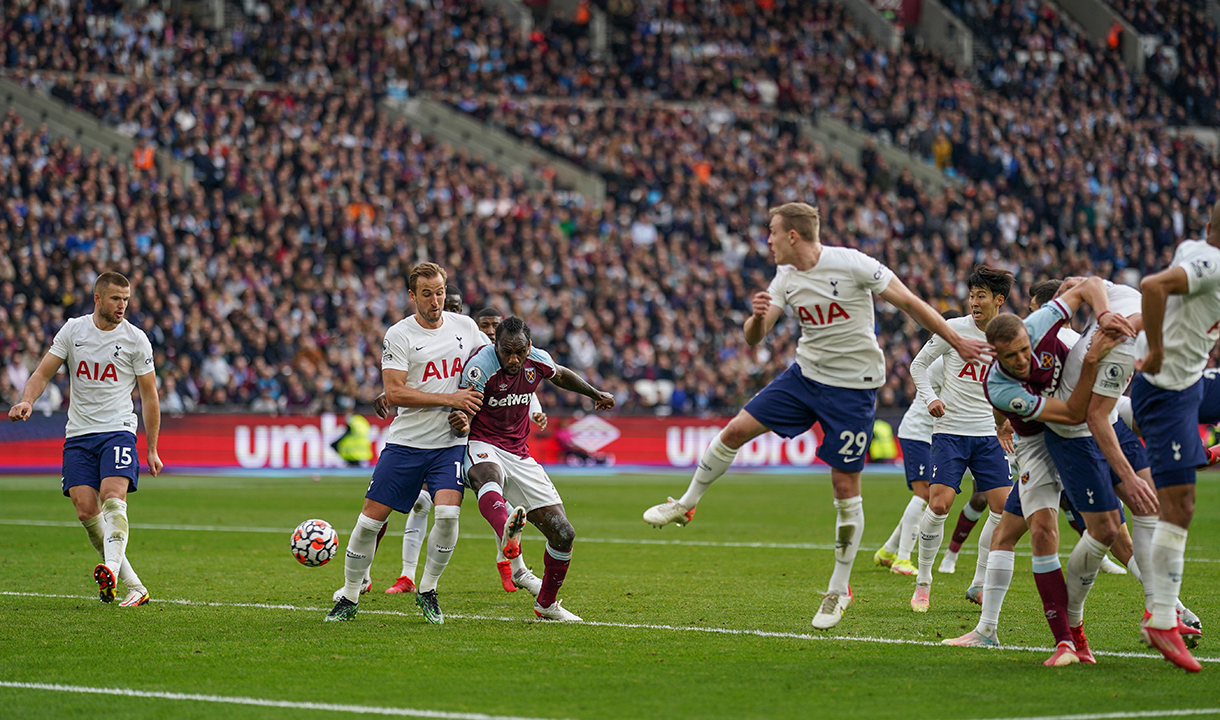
x=569 y=380
x=398 y=394
x=1077 y=290
x=922 y=375
x=150 y=406
x=35 y=386
x=901 y=297
x=766 y=314
x=1075 y=410
x=1156 y=290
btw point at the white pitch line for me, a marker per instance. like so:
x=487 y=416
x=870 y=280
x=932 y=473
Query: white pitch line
x=624 y=626
x=261 y=702
x=966 y=550
x=1123 y=714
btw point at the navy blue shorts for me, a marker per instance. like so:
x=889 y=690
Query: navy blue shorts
x=1013 y=503
x=1085 y=473
x=792 y=403
x=90 y=458
x=1132 y=446
x=1169 y=420
x=952 y=455
x=402 y=472
x=1070 y=509
x=916 y=459
x=1209 y=406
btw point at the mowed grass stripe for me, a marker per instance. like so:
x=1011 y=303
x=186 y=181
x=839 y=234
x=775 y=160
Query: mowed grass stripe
x=260 y=702
x=623 y=626
x=966 y=549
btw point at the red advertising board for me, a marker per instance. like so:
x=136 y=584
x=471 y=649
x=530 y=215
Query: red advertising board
x=304 y=442
x=256 y=442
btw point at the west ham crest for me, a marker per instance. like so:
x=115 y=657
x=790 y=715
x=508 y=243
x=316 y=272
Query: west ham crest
x=530 y=375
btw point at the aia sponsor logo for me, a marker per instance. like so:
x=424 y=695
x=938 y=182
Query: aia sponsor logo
x=100 y=374
x=973 y=371
x=445 y=371
x=819 y=315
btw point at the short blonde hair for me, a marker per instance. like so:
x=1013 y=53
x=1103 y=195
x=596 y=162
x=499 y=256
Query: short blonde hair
x=426 y=270
x=801 y=217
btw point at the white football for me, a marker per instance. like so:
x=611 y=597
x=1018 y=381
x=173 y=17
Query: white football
x=314 y=543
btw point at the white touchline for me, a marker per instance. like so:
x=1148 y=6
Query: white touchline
x=626 y=626
x=261 y=702
x=1123 y=714
x=966 y=550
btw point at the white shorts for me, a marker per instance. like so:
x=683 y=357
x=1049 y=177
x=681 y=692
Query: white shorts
x=1038 y=484
x=526 y=484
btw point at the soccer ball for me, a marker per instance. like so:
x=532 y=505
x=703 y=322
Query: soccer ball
x=314 y=543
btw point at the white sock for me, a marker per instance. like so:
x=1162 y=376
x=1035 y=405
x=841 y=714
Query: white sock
x=1081 y=571
x=849 y=528
x=1168 y=557
x=910 y=526
x=1134 y=568
x=715 y=461
x=413 y=534
x=94 y=527
x=980 y=566
x=361 y=546
x=443 y=539
x=1143 y=527
x=519 y=563
x=931 y=533
x=891 y=545
x=995 y=587
x=114 y=518
x=971 y=514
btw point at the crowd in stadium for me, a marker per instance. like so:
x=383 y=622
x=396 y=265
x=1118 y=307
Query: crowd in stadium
x=269 y=284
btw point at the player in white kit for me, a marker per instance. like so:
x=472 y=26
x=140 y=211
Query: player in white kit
x=915 y=438
x=421 y=364
x=106 y=357
x=833 y=382
x=964 y=435
x=1181 y=314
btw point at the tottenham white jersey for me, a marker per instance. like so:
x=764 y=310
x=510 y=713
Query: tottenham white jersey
x=433 y=361
x=833 y=301
x=103 y=367
x=1114 y=372
x=1192 y=321
x=967 y=410
x=917 y=423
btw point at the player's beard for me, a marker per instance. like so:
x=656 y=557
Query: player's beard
x=110 y=317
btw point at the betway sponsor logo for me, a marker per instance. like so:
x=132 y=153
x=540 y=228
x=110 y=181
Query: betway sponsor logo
x=295 y=446
x=510 y=400
x=685 y=445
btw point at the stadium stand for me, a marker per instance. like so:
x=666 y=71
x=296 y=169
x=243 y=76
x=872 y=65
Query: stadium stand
x=268 y=283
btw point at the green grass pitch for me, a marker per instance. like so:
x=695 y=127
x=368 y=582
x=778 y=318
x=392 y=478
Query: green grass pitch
x=756 y=559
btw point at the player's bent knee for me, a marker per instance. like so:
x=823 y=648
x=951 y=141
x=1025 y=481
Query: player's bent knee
x=741 y=430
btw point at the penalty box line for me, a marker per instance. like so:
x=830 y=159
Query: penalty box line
x=260 y=702
x=966 y=550
x=623 y=626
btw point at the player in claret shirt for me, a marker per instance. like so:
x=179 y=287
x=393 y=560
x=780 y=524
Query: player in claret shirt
x=498 y=464
x=106 y=357
x=834 y=381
